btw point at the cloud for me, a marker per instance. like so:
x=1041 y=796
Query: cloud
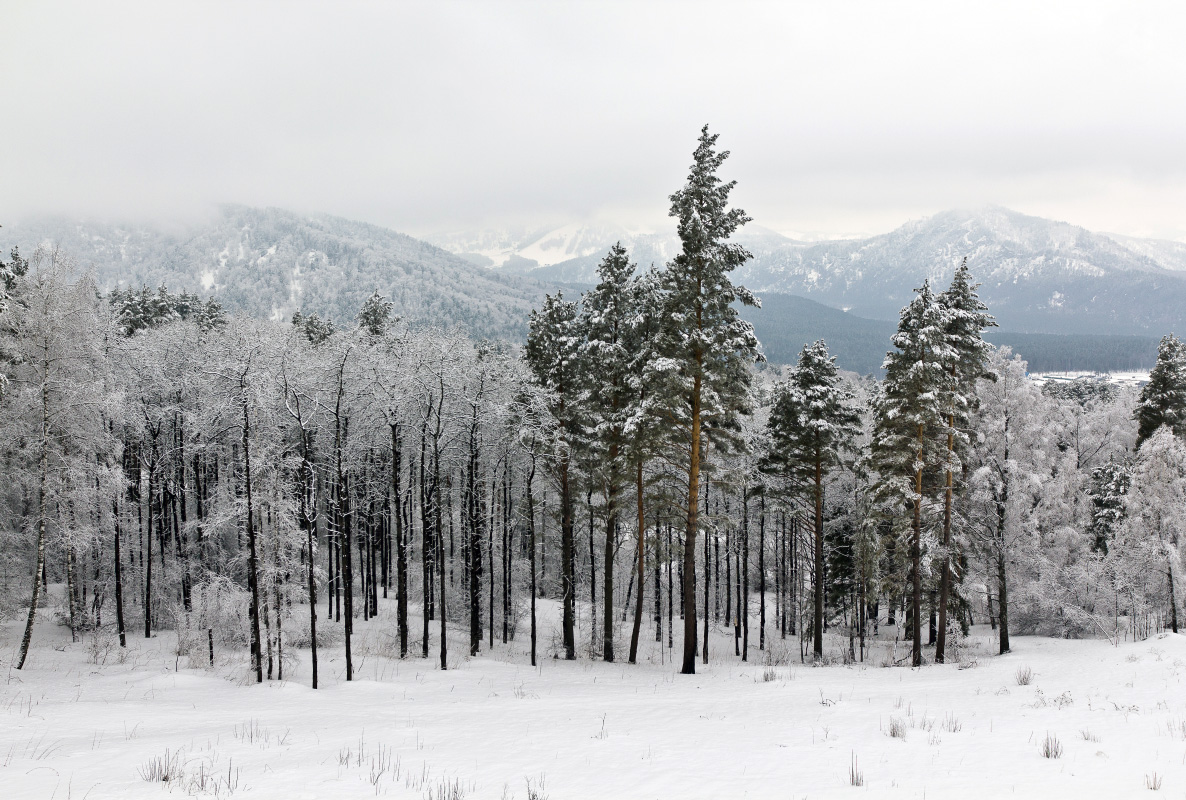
x=432 y=116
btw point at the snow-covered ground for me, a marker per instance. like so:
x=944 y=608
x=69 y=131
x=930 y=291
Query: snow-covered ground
x=1131 y=378
x=86 y=720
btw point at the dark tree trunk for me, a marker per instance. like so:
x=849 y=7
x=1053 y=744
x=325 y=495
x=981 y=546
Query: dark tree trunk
x=638 y=602
x=119 y=579
x=252 y=555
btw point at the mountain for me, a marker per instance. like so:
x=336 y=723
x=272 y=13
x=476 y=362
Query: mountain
x=271 y=262
x=1167 y=253
x=1037 y=275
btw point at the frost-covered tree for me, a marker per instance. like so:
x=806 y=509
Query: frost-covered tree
x=55 y=410
x=1154 y=524
x=1009 y=464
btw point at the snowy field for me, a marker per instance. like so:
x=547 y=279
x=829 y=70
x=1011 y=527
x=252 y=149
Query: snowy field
x=88 y=721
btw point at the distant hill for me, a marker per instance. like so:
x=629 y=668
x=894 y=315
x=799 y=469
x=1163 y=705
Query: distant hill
x=270 y=262
x=786 y=322
x=1038 y=275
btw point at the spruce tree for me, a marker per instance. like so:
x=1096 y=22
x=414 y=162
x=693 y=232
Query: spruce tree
x=911 y=416
x=967 y=318
x=706 y=347
x=812 y=424
x=1163 y=398
x=553 y=355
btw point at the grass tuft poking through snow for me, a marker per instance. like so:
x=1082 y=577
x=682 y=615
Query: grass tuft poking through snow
x=1153 y=782
x=855 y=776
x=169 y=768
x=1024 y=675
x=897 y=728
x=1051 y=746
x=536 y=788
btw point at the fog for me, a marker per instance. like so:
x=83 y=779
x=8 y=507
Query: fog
x=842 y=118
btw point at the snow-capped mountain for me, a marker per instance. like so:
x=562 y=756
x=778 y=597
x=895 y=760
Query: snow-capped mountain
x=522 y=249
x=1166 y=252
x=1037 y=275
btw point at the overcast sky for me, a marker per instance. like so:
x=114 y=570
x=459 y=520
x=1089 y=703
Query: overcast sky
x=842 y=117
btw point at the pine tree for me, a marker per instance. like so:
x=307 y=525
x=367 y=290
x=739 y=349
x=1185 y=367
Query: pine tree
x=553 y=355
x=607 y=313
x=1163 y=398
x=643 y=438
x=706 y=347
x=967 y=318
x=812 y=424
x=911 y=416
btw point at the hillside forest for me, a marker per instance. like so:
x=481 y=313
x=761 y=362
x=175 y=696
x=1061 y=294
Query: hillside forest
x=257 y=485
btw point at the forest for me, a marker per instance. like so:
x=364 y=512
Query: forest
x=258 y=487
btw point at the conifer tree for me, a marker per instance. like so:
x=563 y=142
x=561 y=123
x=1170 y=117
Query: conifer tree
x=553 y=355
x=967 y=317
x=643 y=437
x=607 y=313
x=911 y=416
x=705 y=346
x=1163 y=398
x=813 y=422
x=374 y=316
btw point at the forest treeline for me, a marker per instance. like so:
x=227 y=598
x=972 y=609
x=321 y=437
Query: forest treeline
x=260 y=486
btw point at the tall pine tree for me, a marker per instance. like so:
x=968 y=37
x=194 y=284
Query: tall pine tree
x=911 y=418
x=706 y=347
x=813 y=422
x=553 y=355
x=967 y=318
x=607 y=313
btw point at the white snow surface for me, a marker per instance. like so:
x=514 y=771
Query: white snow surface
x=88 y=720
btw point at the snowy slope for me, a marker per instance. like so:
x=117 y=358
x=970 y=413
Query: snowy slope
x=94 y=721
x=1166 y=252
x=271 y=262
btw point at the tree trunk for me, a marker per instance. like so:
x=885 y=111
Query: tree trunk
x=945 y=578
x=693 y=508
x=252 y=562
x=1169 y=574
x=531 y=540
x=638 y=601
x=818 y=619
x=119 y=579
x=916 y=561
x=762 y=573
x=568 y=562
x=611 y=522
x=401 y=546
x=39 y=566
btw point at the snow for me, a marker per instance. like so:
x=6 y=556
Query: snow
x=83 y=720
x=1134 y=378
